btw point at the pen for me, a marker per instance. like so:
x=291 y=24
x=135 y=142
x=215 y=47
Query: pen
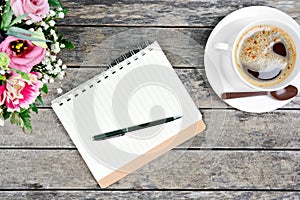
x=122 y=132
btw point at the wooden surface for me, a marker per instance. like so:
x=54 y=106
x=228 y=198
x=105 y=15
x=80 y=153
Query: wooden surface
x=239 y=156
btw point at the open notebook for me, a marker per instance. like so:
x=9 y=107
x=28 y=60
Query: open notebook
x=142 y=88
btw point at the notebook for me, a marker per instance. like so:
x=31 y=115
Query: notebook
x=139 y=88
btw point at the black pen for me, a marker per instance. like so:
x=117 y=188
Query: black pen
x=122 y=132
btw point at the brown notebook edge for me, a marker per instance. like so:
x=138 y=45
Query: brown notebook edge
x=152 y=154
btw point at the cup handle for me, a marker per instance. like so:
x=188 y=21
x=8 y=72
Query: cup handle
x=222 y=46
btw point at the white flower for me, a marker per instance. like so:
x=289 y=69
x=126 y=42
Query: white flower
x=56 y=50
x=43 y=23
x=55 y=37
x=28 y=22
x=55 y=47
x=52 y=32
x=40 y=29
x=51 y=22
x=51 y=80
x=53 y=58
x=46 y=77
x=45 y=80
x=52 y=13
x=2 y=72
x=49 y=67
x=48 y=53
x=59 y=62
x=62 y=45
x=61 y=15
x=31 y=29
x=64 y=66
x=46 y=27
x=61 y=75
x=46 y=61
x=56 y=66
x=59 y=9
x=59 y=90
x=57 y=70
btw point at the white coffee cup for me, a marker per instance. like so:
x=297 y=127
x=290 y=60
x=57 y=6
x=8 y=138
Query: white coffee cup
x=294 y=35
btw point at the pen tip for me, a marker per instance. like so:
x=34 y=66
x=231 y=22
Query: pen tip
x=177 y=117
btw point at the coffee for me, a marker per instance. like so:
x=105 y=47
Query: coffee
x=265 y=55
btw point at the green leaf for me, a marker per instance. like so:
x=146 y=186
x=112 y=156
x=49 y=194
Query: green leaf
x=25 y=117
x=6 y=114
x=20 y=30
x=2 y=77
x=55 y=3
x=6 y=16
x=40 y=35
x=24 y=34
x=68 y=44
x=27 y=125
x=60 y=37
x=34 y=108
x=65 y=11
x=16 y=119
x=24 y=37
x=39 y=100
x=18 y=19
x=23 y=74
x=45 y=88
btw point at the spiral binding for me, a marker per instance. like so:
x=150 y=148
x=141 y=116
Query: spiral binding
x=119 y=63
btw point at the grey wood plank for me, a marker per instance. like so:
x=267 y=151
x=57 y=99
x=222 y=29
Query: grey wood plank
x=225 y=129
x=65 y=169
x=194 y=80
x=162 y=13
x=98 y=46
x=154 y=195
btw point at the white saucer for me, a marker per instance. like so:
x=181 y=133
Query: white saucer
x=216 y=61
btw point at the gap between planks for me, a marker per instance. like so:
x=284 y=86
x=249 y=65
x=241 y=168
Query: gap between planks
x=174 y=149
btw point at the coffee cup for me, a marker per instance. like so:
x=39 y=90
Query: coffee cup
x=265 y=54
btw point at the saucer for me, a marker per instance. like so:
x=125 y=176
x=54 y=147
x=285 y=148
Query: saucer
x=216 y=61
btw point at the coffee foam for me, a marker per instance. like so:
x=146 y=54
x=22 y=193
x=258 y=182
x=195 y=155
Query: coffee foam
x=255 y=52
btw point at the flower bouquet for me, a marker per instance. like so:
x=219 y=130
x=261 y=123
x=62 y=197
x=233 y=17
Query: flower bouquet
x=29 y=44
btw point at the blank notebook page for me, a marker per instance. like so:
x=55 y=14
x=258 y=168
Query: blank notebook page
x=140 y=89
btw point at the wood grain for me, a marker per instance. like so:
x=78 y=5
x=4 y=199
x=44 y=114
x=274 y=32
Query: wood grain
x=227 y=129
x=163 y=12
x=268 y=158
x=194 y=80
x=184 y=48
x=98 y=46
x=63 y=169
x=137 y=195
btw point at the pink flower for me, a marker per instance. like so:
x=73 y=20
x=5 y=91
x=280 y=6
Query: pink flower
x=2 y=94
x=20 y=93
x=23 y=54
x=34 y=8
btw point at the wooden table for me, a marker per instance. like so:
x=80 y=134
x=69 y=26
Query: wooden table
x=240 y=155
